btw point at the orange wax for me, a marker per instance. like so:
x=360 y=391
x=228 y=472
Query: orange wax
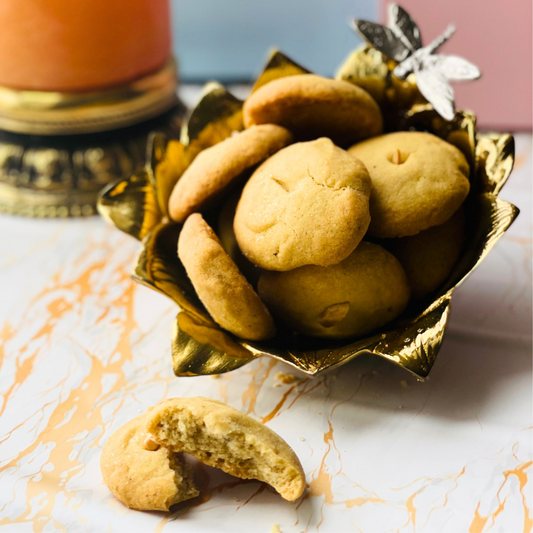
x=81 y=45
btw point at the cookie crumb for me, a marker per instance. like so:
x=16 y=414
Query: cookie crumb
x=150 y=445
x=275 y=528
x=215 y=376
x=286 y=378
x=302 y=439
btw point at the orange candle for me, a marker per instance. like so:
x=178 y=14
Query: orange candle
x=81 y=45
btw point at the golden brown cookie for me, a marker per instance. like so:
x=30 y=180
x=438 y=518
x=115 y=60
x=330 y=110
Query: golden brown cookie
x=418 y=181
x=353 y=298
x=227 y=296
x=215 y=168
x=429 y=257
x=311 y=106
x=305 y=205
x=229 y=242
x=143 y=479
x=220 y=436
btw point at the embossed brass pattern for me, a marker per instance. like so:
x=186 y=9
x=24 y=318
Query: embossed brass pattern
x=58 y=149
x=199 y=346
x=61 y=176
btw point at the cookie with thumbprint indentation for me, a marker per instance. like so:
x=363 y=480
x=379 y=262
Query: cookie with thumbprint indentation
x=311 y=106
x=220 y=436
x=142 y=478
x=305 y=205
x=225 y=292
x=216 y=168
x=353 y=298
x=418 y=181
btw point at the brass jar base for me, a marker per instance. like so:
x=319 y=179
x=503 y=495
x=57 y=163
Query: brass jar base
x=58 y=150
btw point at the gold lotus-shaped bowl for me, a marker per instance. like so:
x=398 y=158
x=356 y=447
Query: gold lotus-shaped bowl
x=138 y=206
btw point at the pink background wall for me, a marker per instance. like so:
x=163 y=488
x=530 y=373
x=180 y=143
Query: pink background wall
x=496 y=35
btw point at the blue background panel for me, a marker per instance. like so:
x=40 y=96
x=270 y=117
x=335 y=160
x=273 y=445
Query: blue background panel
x=228 y=40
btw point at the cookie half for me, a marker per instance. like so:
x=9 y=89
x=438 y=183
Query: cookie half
x=311 y=106
x=215 y=168
x=142 y=479
x=225 y=292
x=220 y=436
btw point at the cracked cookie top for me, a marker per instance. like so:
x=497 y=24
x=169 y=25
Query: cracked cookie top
x=306 y=205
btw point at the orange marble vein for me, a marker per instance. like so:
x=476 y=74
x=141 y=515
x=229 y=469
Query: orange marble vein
x=479 y=521
x=63 y=455
x=360 y=501
x=321 y=484
x=251 y=394
x=276 y=409
x=447 y=495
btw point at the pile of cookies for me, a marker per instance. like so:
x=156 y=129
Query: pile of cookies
x=327 y=227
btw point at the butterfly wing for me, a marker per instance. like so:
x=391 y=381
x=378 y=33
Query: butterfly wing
x=383 y=39
x=436 y=90
x=454 y=68
x=404 y=26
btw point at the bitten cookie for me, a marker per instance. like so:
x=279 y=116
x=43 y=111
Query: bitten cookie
x=305 y=205
x=311 y=106
x=227 y=296
x=429 y=257
x=221 y=436
x=418 y=181
x=353 y=298
x=215 y=168
x=142 y=479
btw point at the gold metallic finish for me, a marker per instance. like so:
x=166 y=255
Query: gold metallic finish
x=277 y=66
x=62 y=176
x=461 y=131
x=201 y=347
x=371 y=70
x=497 y=153
x=55 y=113
x=131 y=205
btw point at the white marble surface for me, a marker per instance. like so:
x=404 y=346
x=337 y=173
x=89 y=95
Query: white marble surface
x=84 y=349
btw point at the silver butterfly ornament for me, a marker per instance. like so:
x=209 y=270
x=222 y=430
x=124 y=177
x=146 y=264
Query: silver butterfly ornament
x=401 y=41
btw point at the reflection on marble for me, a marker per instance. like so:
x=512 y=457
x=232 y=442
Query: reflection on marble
x=84 y=349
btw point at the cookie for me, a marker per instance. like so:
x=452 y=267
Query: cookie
x=305 y=205
x=311 y=106
x=353 y=298
x=220 y=436
x=429 y=257
x=217 y=167
x=229 y=242
x=227 y=296
x=143 y=479
x=418 y=181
